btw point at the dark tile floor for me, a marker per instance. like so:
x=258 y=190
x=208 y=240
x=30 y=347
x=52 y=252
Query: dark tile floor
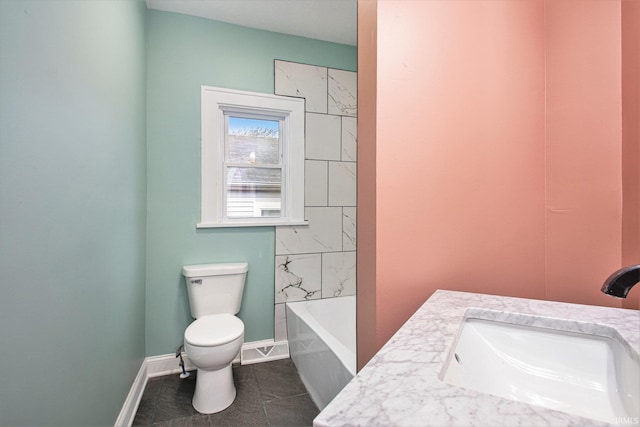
x=268 y=394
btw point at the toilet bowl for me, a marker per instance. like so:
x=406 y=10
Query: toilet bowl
x=215 y=338
x=212 y=342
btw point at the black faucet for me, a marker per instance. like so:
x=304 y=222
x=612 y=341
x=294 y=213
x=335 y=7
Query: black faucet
x=620 y=283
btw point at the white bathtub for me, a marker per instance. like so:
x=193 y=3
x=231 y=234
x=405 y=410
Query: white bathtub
x=322 y=343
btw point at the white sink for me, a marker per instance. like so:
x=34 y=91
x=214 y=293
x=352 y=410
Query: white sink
x=593 y=376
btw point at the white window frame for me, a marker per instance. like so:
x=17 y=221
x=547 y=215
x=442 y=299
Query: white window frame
x=215 y=102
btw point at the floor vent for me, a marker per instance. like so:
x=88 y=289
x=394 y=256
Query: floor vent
x=263 y=351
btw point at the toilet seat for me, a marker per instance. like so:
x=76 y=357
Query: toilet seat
x=213 y=330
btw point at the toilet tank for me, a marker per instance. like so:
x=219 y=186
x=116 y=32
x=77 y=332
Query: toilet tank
x=215 y=288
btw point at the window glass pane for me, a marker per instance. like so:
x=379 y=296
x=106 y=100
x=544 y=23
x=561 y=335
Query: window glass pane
x=252 y=141
x=253 y=192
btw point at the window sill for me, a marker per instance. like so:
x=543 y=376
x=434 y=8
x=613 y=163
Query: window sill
x=249 y=224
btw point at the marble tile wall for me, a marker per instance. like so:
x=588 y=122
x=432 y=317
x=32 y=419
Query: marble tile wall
x=319 y=260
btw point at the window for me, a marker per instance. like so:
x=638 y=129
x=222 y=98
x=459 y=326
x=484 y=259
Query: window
x=252 y=159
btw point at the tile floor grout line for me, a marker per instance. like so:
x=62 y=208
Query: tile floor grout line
x=286 y=397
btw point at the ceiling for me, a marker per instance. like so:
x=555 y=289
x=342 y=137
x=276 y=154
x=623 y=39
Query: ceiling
x=329 y=20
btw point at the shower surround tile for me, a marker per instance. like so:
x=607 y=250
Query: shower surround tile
x=343 y=93
x=315 y=183
x=322 y=137
x=318 y=260
x=342 y=184
x=298 y=277
x=349 y=139
x=280 y=323
x=349 y=228
x=304 y=81
x=338 y=274
x=323 y=234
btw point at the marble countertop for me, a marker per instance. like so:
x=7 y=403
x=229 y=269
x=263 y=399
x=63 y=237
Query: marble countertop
x=400 y=385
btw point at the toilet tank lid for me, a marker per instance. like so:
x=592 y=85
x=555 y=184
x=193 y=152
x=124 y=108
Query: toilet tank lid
x=202 y=270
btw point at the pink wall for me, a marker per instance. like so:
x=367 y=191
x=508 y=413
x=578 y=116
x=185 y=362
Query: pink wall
x=583 y=149
x=631 y=139
x=366 y=296
x=494 y=166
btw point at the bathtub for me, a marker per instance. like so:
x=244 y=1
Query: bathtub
x=322 y=344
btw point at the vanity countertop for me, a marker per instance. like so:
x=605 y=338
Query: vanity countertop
x=400 y=385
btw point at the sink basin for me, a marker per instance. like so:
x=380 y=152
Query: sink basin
x=593 y=376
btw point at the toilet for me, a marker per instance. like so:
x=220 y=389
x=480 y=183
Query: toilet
x=214 y=339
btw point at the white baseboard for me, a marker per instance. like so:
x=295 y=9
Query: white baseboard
x=167 y=364
x=130 y=406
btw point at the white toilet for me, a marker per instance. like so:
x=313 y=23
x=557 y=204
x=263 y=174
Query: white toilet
x=214 y=339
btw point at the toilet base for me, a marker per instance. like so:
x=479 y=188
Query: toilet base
x=215 y=390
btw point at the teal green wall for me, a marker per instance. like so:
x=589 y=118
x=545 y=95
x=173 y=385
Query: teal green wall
x=79 y=170
x=72 y=209
x=185 y=52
